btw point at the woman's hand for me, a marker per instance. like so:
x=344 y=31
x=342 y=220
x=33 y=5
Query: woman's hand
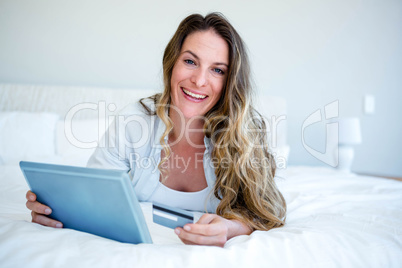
x=39 y=211
x=212 y=230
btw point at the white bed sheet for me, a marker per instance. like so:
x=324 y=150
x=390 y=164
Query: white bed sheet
x=334 y=220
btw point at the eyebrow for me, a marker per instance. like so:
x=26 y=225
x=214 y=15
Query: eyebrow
x=195 y=56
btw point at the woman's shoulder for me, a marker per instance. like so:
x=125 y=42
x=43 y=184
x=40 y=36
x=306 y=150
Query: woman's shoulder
x=138 y=120
x=143 y=107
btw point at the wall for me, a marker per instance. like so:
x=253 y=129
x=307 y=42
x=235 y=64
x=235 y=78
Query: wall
x=310 y=52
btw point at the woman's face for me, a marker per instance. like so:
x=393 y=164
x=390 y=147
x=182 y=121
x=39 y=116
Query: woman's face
x=200 y=73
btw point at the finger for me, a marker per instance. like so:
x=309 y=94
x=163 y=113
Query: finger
x=43 y=220
x=211 y=225
x=38 y=208
x=206 y=218
x=191 y=238
x=178 y=231
x=202 y=225
x=203 y=229
x=31 y=196
x=187 y=242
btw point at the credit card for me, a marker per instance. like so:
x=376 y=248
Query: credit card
x=171 y=217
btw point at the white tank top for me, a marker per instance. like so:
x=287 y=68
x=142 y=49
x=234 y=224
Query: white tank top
x=195 y=201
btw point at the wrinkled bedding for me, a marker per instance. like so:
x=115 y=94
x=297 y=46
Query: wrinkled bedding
x=334 y=219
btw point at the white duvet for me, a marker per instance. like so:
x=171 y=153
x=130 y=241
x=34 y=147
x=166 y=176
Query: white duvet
x=334 y=220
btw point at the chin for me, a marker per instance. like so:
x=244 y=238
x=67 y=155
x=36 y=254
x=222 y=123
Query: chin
x=192 y=114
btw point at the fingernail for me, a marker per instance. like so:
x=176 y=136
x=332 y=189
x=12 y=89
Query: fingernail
x=177 y=231
x=187 y=228
x=48 y=211
x=58 y=225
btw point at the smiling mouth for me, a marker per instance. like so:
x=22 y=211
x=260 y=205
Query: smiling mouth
x=193 y=95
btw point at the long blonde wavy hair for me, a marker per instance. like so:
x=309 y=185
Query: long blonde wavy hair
x=244 y=169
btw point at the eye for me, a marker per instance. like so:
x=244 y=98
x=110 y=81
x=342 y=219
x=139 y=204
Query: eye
x=219 y=71
x=189 y=62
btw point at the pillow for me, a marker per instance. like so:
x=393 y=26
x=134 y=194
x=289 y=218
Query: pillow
x=26 y=136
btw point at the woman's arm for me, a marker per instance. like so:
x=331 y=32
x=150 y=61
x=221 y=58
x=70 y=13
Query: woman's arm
x=212 y=230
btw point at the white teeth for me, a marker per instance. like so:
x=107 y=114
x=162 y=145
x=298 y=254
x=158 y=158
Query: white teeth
x=197 y=96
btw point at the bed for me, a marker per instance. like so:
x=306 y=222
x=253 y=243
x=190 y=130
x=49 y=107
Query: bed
x=334 y=219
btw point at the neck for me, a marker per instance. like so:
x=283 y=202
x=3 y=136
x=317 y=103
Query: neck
x=186 y=131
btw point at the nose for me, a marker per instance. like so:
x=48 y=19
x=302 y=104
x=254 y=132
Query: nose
x=200 y=77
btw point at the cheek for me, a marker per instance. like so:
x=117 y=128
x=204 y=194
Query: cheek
x=178 y=74
x=219 y=88
x=218 y=91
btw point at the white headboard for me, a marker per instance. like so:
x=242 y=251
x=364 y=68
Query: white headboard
x=60 y=99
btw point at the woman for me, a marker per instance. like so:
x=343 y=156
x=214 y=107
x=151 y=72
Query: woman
x=204 y=115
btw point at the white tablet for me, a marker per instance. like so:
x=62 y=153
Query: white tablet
x=97 y=201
